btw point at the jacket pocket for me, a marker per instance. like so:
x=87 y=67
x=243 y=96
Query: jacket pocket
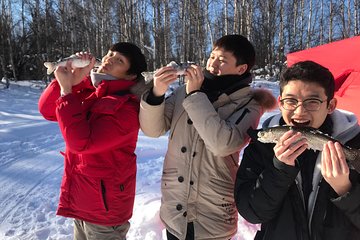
x=169 y=178
x=222 y=189
x=86 y=194
x=103 y=194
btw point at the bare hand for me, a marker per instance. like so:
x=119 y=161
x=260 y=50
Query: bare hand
x=163 y=77
x=68 y=77
x=334 y=168
x=194 y=78
x=289 y=147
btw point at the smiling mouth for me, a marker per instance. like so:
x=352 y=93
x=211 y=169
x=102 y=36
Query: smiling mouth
x=300 y=123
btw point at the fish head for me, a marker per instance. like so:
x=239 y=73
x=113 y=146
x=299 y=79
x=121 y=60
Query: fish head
x=266 y=136
x=97 y=62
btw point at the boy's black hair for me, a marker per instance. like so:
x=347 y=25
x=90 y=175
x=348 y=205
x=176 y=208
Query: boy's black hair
x=241 y=48
x=133 y=54
x=310 y=72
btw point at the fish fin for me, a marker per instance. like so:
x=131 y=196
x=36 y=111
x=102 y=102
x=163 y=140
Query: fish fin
x=50 y=67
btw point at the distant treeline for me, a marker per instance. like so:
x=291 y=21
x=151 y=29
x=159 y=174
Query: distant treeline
x=34 y=31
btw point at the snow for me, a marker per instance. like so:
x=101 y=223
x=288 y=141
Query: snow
x=31 y=169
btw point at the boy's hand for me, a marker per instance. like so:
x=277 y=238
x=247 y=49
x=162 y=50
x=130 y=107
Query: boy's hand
x=68 y=77
x=64 y=77
x=289 y=147
x=163 y=77
x=194 y=78
x=334 y=168
x=80 y=73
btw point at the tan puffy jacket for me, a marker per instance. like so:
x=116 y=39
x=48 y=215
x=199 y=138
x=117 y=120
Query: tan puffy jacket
x=202 y=157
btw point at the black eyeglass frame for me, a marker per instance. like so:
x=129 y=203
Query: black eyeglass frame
x=303 y=103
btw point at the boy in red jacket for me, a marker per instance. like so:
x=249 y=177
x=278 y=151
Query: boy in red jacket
x=98 y=118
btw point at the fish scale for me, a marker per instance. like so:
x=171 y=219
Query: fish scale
x=315 y=139
x=180 y=70
x=76 y=62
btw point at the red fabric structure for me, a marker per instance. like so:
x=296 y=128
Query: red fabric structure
x=342 y=58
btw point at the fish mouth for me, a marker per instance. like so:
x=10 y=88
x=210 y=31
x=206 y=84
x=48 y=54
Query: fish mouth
x=300 y=123
x=103 y=68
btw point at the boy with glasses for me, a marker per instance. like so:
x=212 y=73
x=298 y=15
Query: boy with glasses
x=295 y=192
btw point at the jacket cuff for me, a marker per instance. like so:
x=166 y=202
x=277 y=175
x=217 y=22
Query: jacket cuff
x=289 y=170
x=192 y=92
x=351 y=197
x=64 y=98
x=154 y=100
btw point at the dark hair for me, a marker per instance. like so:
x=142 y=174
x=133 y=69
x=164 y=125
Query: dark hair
x=133 y=54
x=241 y=48
x=311 y=72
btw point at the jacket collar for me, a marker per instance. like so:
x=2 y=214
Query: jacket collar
x=111 y=87
x=213 y=86
x=106 y=84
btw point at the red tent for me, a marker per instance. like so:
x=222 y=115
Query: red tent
x=342 y=58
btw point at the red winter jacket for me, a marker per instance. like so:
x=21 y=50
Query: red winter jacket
x=100 y=127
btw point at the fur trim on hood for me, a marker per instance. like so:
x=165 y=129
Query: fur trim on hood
x=265 y=98
x=140 y=87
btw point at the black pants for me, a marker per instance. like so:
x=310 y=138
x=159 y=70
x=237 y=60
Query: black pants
x=189 y=233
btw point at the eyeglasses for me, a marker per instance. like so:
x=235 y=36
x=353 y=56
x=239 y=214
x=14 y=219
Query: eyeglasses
x=310 y=104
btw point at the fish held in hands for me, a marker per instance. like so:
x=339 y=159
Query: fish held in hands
x=180 y=70
x=315 y=140
x=76 y=62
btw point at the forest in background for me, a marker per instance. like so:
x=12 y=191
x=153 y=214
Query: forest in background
x=35 y=31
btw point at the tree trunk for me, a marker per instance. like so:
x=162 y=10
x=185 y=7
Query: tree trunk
x=309 y=33
x=356 y=17
x=330 y=21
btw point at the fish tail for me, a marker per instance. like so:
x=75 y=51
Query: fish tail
x=148 y=76
x=356 y=160
x=50 y=67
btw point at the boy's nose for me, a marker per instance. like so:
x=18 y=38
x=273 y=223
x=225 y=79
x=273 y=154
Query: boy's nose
x=214 y=63
x=300 y=109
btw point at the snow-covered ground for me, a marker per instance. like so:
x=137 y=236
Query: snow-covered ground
x=31 y=169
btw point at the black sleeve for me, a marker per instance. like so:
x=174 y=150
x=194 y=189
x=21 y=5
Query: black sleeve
x=154 y=100
x=262 y=183
x=355 y=142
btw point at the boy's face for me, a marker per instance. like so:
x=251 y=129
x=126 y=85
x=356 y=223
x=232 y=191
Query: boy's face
x=222 y=62
x=314 y=112
x=116 y=65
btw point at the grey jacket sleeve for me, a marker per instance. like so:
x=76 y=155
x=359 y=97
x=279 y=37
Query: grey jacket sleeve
x=221 y=136
x=155 y=120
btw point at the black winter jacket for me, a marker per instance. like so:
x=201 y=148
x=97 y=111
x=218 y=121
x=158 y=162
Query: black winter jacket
x=269 y=192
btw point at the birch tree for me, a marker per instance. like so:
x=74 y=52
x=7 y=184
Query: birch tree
x=331 y=18
x=356 y=17
x=281 y=45
x=309 y=26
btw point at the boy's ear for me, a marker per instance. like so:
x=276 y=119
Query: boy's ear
x=278 y=102
x=332 y=105
x=242 y=68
